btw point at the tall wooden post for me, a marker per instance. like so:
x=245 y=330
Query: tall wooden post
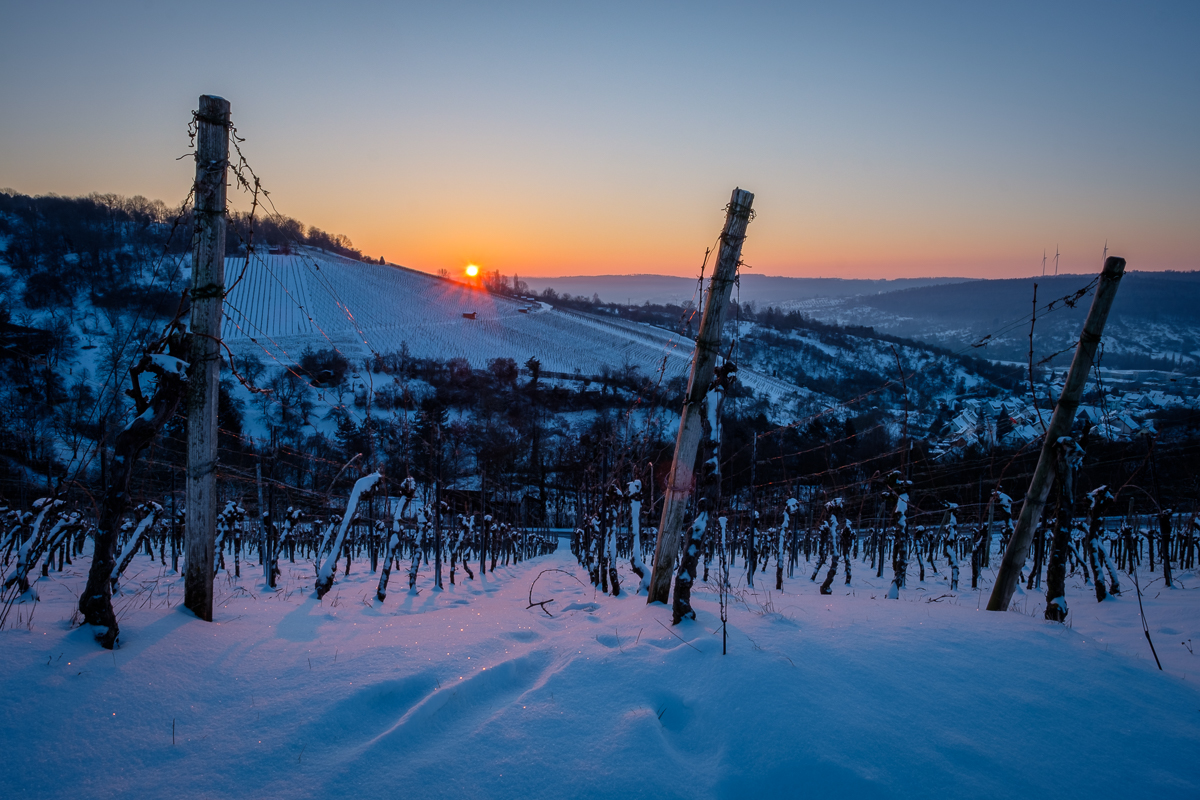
x=1060 y=425
x=681 y=479
x=208 y=291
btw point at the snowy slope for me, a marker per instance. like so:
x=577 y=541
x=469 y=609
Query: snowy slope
x=283 y=303
x=468 y=692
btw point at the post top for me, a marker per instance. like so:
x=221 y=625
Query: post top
x=741 y=201
x=213 y=104
x=1114 y=265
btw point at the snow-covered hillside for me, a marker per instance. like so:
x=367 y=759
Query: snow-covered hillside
x=285 y=303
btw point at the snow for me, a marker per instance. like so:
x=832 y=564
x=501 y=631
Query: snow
x=151 y=511
x=45 y=505
x=467 y=692
x=169 y=364
x=361 y=487
x=286 y=303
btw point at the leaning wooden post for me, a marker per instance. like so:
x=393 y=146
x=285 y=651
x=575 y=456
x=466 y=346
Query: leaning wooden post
x=1060 y=425
x=208 y=291
x=681 y=478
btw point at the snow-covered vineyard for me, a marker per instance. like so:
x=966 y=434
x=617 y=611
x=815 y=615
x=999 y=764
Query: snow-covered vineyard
x=285 y=303
x=436 y=509
x=658 y=400
x=282 y=304
x=537 y=655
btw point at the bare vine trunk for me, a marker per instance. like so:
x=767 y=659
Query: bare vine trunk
x=95 y=604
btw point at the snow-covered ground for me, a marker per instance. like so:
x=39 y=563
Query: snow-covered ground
x=284 y=303
x=468 y=693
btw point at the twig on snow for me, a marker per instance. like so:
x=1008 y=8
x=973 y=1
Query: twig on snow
x=677 y=636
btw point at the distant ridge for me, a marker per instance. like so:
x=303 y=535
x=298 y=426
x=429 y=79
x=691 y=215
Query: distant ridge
x=758 y=289
x=1155 y=316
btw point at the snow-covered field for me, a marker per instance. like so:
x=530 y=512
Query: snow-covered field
x=285 y=303
x=468 y=693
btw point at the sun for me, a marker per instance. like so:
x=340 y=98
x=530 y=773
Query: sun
x=472 y=271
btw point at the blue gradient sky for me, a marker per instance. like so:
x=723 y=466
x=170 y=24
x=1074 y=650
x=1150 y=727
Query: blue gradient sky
x=563 y=138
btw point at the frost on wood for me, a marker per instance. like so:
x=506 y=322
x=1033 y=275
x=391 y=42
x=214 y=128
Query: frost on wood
x=824 y=537
x=25 y=551
x=408 y=489
x=839 y=541
x=1070 y=456
x=1063 y=547
x=1099 y=501
x=229 y=523
x=462 y=539
x=681 y=480
x=708 y=488
x=420 y=545
x=634 y=493
x=291 y=519
x=149 y=512
x=44 y=537
x=712 y=410
x=780 y=536
x=1004 y=515
x=792 y=509
x=898 y=488
x=325 y=575
x=164 y=363
x=682 y=607
x=152 y=413
x=950 y=542
x=612 y=505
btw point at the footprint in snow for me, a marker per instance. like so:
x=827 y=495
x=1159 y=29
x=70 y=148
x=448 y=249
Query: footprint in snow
x=671 y=711
x=581 y=607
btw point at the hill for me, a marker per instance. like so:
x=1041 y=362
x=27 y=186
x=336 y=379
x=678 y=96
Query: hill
x=1155 y=320
x=286 y=303
x=759 y=289
x=358 y=355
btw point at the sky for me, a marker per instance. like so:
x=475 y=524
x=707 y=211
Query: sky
x=563 y=138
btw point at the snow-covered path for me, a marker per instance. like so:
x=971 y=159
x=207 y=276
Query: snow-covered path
x=468 y=692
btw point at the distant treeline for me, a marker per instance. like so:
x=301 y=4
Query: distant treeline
x=106 y=244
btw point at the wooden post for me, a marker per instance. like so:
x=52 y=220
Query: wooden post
x=208 y=291
x=751 y=544
x=681 y=478
x=1060 y=425
x=266 y=552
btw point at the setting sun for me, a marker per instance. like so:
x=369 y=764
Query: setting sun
x=472 y=270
